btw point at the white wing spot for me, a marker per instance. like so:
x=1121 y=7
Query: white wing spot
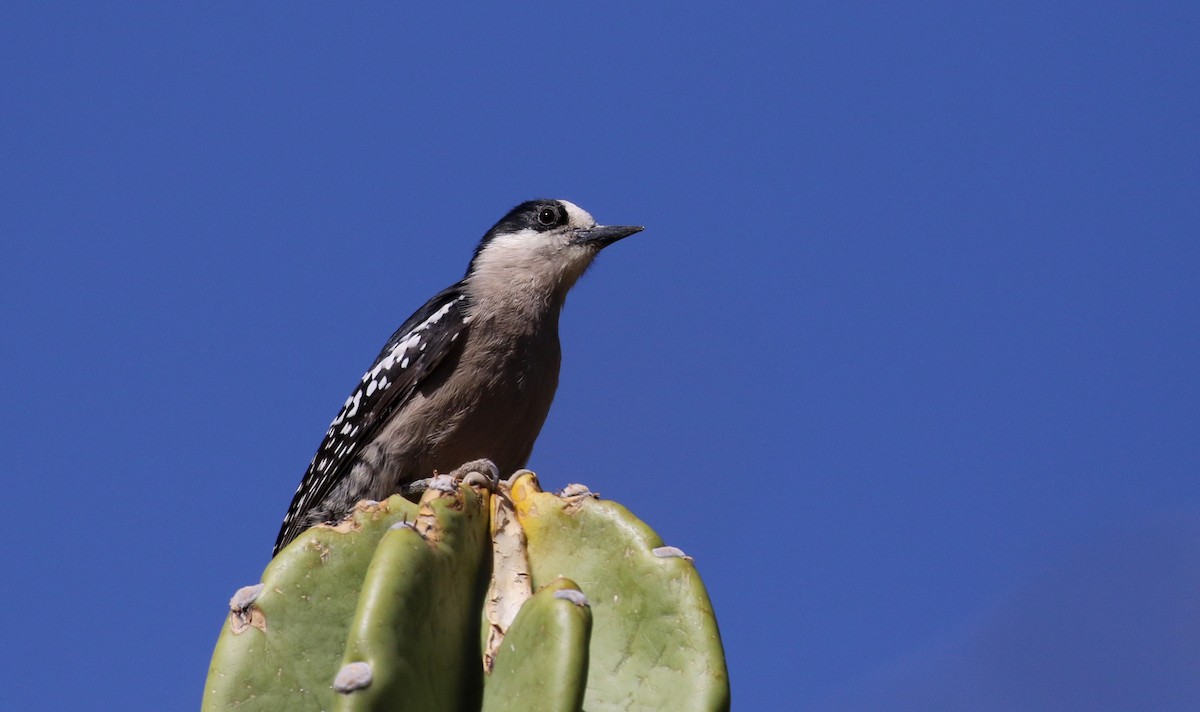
x=411 y=339
x=357 y=400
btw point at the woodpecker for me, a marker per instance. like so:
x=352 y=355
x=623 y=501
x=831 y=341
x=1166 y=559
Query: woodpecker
x=469 y=376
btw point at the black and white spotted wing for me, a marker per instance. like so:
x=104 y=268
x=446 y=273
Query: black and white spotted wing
x=406 y=359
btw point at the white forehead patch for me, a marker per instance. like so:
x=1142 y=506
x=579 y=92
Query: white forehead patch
x=577 y=217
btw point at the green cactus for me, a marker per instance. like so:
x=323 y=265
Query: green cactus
x=286 y=635
x=543 y=662
x=419 y=610
x=383 y=611
x=655 y=644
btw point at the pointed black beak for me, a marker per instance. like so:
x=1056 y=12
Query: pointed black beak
x=605 y=235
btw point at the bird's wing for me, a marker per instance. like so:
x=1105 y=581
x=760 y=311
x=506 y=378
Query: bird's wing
x=416 y=348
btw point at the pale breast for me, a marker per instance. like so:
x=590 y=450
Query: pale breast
x=487 y=400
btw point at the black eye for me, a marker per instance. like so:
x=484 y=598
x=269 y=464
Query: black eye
x=547 y=216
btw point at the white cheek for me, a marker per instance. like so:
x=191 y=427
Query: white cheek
x=525 y=250
x=511 y=250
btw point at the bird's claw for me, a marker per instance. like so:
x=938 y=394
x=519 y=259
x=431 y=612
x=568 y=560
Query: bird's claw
x=478 y=473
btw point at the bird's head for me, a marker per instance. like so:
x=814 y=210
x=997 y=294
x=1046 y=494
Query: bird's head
x=546 y=244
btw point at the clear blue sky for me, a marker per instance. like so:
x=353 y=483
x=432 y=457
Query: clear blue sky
x=908 y=356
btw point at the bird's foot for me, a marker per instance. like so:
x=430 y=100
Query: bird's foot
x=477 y=473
